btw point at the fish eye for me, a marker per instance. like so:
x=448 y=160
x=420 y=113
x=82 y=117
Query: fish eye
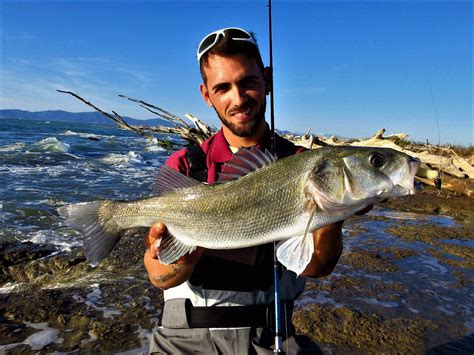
x=377 y=160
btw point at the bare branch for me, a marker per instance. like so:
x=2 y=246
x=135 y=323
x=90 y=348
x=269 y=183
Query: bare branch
x=169 y=114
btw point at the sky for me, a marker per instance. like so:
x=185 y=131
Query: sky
x=345 y=68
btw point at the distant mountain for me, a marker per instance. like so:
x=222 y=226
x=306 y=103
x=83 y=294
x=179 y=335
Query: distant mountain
x=84 y=117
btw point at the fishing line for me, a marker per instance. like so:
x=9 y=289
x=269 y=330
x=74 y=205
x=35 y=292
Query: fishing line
x=435 y=109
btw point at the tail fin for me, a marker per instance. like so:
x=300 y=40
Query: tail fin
x=94 y=220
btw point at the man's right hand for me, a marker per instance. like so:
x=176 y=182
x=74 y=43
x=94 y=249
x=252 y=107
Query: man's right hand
x=166 y=276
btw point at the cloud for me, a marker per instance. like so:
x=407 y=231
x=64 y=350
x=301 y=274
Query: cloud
x=31 y=84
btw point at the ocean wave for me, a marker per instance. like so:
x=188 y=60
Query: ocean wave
x=39 y=172
x=154 y=148
x=86 y=135
x=24 y=170
x=12 y=147
x=52 y=144
x=122 y=159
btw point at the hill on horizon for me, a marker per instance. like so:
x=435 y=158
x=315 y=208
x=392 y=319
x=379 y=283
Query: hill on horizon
x=92 y=117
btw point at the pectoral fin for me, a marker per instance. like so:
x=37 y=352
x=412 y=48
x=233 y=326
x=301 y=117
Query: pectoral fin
x=295 y=253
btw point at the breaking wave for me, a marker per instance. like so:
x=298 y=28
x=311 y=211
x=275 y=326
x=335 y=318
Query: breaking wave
x=90 y=136
x=122 y=159
x=51 y=144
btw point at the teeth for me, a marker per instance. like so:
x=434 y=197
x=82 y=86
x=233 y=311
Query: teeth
x=242 y=113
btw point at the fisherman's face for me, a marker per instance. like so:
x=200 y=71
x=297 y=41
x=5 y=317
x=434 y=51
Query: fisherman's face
x=236 y=89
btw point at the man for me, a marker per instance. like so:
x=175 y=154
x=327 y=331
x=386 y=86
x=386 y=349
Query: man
x=219 y=301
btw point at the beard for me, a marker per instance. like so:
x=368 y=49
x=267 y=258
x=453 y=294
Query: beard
x=249 y=128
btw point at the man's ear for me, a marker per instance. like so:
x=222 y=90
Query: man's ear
x=205 y=94
x=268 y=77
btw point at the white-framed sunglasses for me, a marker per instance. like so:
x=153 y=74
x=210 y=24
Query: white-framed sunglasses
x=237 y=34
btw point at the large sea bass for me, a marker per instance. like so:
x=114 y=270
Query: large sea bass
x=275 y=200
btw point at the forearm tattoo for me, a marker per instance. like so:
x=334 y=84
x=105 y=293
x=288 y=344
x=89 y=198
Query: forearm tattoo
x=176 y=269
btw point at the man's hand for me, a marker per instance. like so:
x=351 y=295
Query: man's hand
x=157 y=231
x=327 y=250
x=166 y=276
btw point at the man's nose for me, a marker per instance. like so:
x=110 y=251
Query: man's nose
x=239 y=95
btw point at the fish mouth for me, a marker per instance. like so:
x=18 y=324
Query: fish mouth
x=406 y=185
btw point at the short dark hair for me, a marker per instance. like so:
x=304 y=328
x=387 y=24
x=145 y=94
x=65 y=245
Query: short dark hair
x=226 y=46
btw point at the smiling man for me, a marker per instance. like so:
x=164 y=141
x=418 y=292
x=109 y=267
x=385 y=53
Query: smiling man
x=222 y=301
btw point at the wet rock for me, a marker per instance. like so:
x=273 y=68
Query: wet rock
x=18 y=253
x=49 y=269
x=428 y=233
x=399 y=253
x=432 y=201
x=356 y=332
x=111 y=308
x=370 y=261
x=366 y=306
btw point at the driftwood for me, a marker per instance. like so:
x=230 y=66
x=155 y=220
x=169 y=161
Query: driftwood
x=456 y=172
x=453 y=165
x=179 y=127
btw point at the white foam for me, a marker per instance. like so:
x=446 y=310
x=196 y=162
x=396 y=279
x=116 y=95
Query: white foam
x=93 y=297
x=54 y=238
x=320 y=298
x=122 y=159
x=12 y=147
x=39 y=340
x=154 y=147
x=376 y=302
x=52 y=144
x=85 y=135
x=9 y=287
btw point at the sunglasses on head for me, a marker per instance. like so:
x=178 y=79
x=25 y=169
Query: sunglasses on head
x=237 y=34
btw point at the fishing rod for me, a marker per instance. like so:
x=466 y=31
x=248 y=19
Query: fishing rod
x=276 y=267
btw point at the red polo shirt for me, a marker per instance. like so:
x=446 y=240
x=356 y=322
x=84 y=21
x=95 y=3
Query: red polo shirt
x=217 y=153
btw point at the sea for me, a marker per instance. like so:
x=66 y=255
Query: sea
x=45 y=165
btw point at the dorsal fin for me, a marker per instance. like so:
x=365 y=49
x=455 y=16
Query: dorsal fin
x=168 y=179
x=244 y=162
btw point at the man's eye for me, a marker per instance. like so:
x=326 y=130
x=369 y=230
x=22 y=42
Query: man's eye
x=249 y=83
x=221 y=89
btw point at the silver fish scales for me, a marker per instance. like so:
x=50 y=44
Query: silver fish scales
x=277 y=200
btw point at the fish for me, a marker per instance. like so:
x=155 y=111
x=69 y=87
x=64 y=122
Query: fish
x=258 y=199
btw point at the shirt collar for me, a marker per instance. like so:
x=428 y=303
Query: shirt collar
x=221 y=153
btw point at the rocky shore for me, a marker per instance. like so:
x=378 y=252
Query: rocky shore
x=404 y=285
